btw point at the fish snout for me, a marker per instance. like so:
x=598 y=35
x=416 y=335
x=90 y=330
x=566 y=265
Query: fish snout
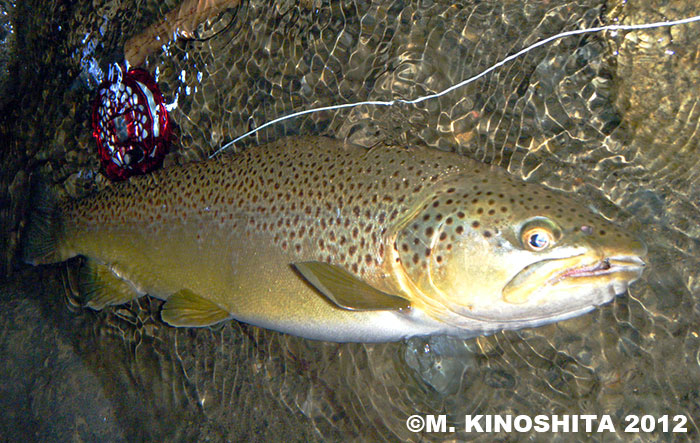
x=621 y=246
x=625 y=261
x=639 y=249
x=631 y=253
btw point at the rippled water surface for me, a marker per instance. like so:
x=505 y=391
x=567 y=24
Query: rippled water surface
x=609 y=117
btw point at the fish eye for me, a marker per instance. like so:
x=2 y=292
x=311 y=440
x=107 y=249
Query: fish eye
x=539 y=234
x=537 y=239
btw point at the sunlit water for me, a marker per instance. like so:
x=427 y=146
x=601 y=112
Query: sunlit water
x=610 y=118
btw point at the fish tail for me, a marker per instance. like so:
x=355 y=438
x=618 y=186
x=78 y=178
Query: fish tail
x=40 y=237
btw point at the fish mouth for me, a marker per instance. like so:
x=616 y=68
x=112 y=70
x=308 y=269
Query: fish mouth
x=606 y=266
x=577 y=268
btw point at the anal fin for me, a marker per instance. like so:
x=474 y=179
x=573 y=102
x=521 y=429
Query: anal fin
x=101 y=287
x=187 y=309
x=346 y=290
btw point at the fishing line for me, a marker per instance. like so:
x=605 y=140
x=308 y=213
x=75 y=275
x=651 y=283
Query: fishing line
x=467 y=81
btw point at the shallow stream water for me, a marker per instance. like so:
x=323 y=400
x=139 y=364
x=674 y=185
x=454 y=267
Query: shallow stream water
x=612 y=118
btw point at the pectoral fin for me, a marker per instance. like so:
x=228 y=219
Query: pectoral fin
x=187 y=309
x=101 y=287
x=348 y=291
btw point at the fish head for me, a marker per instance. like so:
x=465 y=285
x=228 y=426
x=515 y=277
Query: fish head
x=511 y=253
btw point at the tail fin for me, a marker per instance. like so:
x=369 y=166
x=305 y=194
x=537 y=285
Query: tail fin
x=40 y=237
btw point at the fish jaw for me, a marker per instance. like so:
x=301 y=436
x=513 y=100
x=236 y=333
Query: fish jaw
x=582 y=268
x=628 y=267
x=573 y=283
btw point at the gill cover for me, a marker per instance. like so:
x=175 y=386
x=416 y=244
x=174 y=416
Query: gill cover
x=441 y=254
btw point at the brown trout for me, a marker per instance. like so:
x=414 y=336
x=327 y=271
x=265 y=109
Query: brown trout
x=330 y=241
